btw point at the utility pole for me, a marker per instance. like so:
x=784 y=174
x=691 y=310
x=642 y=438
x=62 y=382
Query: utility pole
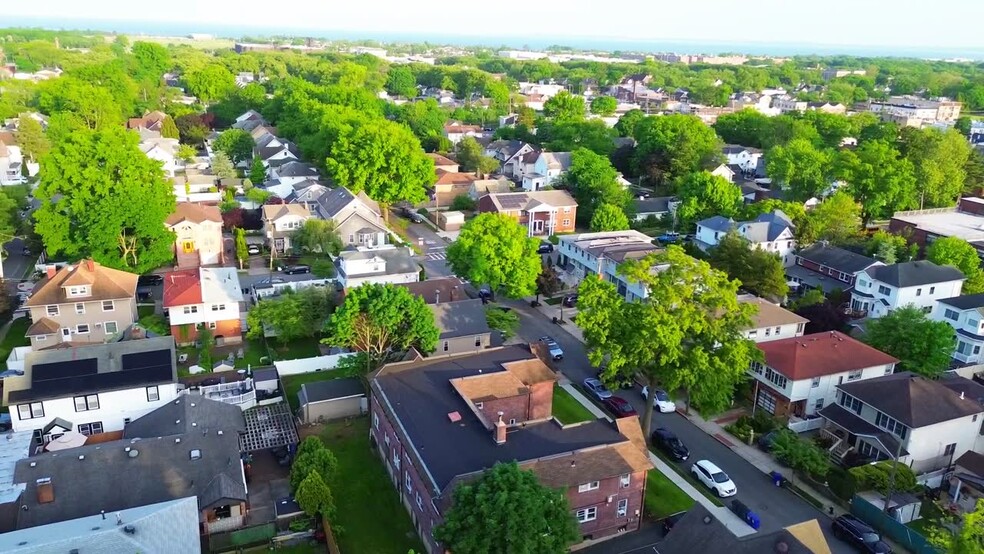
x=891 y=477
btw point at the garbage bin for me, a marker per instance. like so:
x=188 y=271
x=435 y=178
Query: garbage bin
x=746 y=514
x=777 y=478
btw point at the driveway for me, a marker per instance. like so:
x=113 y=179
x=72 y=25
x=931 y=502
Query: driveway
x=777 y=507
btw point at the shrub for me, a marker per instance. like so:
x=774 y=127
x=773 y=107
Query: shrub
x=877 y=476
x=463 y=203
x=841 y=483
x=740 y=429
x=323 y=268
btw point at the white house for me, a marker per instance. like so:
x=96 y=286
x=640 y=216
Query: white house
x=771 y=321
x=11 y=165
x=927 y=423
x=964 y=314
x=280 y=221
x=724 y=171
x=772 y=232
x=294 y=172
x=164 y=150
x=744 y=157
x=800 y=374
x=205 y=297
x=510 y=154
x=265 y=288
x=91 y=389
x=379 y=265
x=584 y=254
x=880 y=289
x=455 y=131
x=546 y=168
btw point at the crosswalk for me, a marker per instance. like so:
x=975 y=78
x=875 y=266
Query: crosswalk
x=434 y=256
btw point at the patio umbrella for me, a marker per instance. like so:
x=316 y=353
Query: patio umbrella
x=68 y=440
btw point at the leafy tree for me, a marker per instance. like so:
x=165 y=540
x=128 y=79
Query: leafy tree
x=506 y=322
x=703 y=195
x=256 y=194
x=424 y=117
x=463 y=203
x=956 y=252
x=92 y=105
x=151 y=60
x=186 y=153
x=222 y=166
x=890 y=248
x=169 y=129
x=837 y=219
x=801 y=455
x=242 y=249
x=494 y=249
x=922 y=345
x=312 y=457
x=604 y=105
x=318 y=236
x=796 y=211
x=967 y=539
x=209 y=82
x=30 y=136
x=880 y=180
x=812 y=297
x=831 y=127
x=674 y=146
x=538 y=519
x=192 y=129
x=963 y=124
x=757 y=270
x=824 y=316
x=609 y=218
x=471 y=157
x=878 y=476
x=206 y=344
x=688 y=334
x=627 y=123
x=568 y=135
x=564 y=107
x=974 y=170
x=800 y=168
x=382 y=320
x=939 y=159
x=292 y=316
x=548 y=283
x=88 y=207
x=593 y=181
x=257 y=171
x=237 y=144
x=747 y=127
x=401 y=82
x=314 y=496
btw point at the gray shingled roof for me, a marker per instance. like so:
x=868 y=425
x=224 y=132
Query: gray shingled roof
x=464 y=318
x=913 y=274
x=331 y=389
x=188 y=410
x=836 y=258
x=912 y=399
x=659 y=204
x=718 y=223
x=968 y=302
x=297 y=169
x=699 y=531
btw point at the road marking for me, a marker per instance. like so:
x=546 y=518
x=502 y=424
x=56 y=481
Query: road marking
x=434 y=256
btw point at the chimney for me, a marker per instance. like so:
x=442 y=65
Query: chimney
x=500 y=431
x=51 y=270
x=437 y=297
x=961 y=395
x=90 y=265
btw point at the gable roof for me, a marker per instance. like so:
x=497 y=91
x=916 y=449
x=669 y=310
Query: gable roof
x=699 y=531
x=273 y=212
x=821 y=354
x=297 y=169
x=913 y=274
x=836 y=258
x=434 y=291
x=767 y=227
x=966 y=302
x=460 y=319
x=106 y=283
x=912 y=399
x=182 y=287
x=332 y=389
x=659 y=204
x=334 y=201
x=770 y=314
x=195 y=213
x=718 y=223
x=178 y=416
x=557 y=160
x=440 y=160
x=512 y=201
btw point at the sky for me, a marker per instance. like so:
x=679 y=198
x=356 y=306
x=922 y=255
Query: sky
x=903 y=23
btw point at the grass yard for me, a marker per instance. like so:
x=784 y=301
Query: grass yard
x=300 y=348
x=370 y=515
x=931 y=517
x=684 y=471
x=663 y=497
x=567 y=409
x=14 y=338
x=253 y=352
x=292 y=383
x=145 y=310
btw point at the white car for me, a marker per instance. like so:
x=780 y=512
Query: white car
x=713 y=478
x=252 y=250
x=661 y=400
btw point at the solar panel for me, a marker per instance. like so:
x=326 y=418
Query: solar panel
x=64 y=370
x=146 y=360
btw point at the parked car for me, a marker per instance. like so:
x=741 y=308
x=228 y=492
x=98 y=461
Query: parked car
x=852 y=530
x=668 y=237
x=619 y=407
x=150 y=280
x=570 y=300
x=297 y=269
x=545 y=248
x=671 y=520
x=714 y=478
x=253 y=249
x=410 y=214
x=556 y=352
x=597 y=389
x=665 y=440
x=661 y=400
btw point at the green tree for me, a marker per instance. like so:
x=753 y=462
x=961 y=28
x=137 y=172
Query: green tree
x=538 y=519
x=564 y=107
x=292 y=316
x=317 y=236
x=237 y=144
x=956 y=252
x=800 y=455
x=314 y=496
x=689 y=334
x=922 y=345
x=704 y=195
x=382 y=321
x=88 y=207
x=609 y=218
x=506 y=322
x=463 y=203
x=878 y=477
x=593 y=181
x=747 y=127
x=800 y=168
x=603 y=105
x=494 y=249
x=192 y=129
x=890 y=248
x=210 y=82
x=169 y=129
x=401 y=82
x=424 y=117
x=206 y=344
x=880 y=180
x=31 y=138
x=312 y=457
x=674 y=146
x=257 y=195
x=471 y=157
x=92 y=105
x=186 y=153
x=627 y=123
x=974 y=170
x=967 y=539
x=759 y=271
x=222 y=166
x=837 y=219
x=568 y=135
x=242 y=249
x=151 y=60
x=939 y=160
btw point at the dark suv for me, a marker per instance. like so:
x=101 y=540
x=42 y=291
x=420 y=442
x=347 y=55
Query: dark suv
x=851 y=529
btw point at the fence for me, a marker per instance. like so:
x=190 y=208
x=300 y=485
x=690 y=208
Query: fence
x=308 y=365
x=248 y=536
x=803 y=425
x=890 y=528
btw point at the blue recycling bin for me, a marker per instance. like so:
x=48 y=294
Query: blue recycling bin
x=746 y=514
x=777 y=478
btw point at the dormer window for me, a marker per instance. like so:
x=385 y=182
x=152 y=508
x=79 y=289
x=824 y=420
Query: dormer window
x=75 y=292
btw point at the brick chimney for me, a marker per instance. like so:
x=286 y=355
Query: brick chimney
x=51 y=270
x=90 y=264
x=500 y=431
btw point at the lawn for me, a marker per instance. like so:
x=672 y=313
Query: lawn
x=292 y=383
x=663 y=497
x=370 y=515
x=684 y=471
x=253 y=352
x=14 y=338
x=300 y=348
x=931 y=517
x=145 y=310
x=567 y=409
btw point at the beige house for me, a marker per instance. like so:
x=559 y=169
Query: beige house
x=81 y=303
x=280 y=221
x=198 y=234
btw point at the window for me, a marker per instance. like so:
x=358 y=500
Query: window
x=889 y=370
x=818 y=404
x=93 y=428
x=567 y=223
x=777 y=331
x=30 y=411
x=862 y=283
x=153 y=395
x=396 y=459
x=950 y=449
x=850 y=403
x=52 y=310
x=108 y=306
x=110 y=327
x=977 y=349
x=963 y=347
x=932 y=290
x=854 y=375
x=191 y=309
x=480 y=405
x=512 y=421
x=41 y=338
x=918 y=292
x=757 y=367
x=420 y=502
x=753 y=333
x=375 y=420
x=882 y=289
x=567 y=210
x=775 y=377
x=586 y=515
x=768 y=331
x=974 y=323
x=78 y=291
x=891 y=424
x=80 y=308
x=624 y=480
x=218 y=307
x=86 y=403
x=82 y=329
x=447 y=345
x=211 y=325
x=408 y=481
x=815 y=383
x=623 y=508
x=386 y=439
x=593 y=485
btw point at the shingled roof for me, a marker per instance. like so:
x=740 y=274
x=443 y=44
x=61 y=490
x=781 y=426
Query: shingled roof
x=912 y=399
x=913 y=274
x=106 y=283
x=821 y=354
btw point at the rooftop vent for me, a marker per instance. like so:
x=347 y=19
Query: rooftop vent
x=219 y=432
x=81 y=457
x=129 y=529
x=196 y=454
x=455 y=417
x=177 y=421
x=133 y=453
x=177 y=440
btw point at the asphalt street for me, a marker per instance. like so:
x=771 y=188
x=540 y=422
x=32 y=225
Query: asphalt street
x=777 y=507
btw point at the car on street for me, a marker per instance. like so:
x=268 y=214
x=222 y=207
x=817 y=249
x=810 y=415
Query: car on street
x=150 y=280
x=858 y=533
x=556 y=352
x=714 y=478
x=411 y=215
x=597 y=389
x=661 y=400
x=297 y=269
x=671 y=520
x=665 y=440
x=545 y=248
x=570 y=300
x=619 y=407
x=253 y=249
x=668 y=237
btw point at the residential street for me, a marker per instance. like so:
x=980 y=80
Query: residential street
x=776 y=507
x=433 y=248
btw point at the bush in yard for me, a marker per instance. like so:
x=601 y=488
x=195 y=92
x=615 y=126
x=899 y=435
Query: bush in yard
x=312 y=457
x=463 y=203
x=877 y=476
x=740 y=430
x=506 y=322
x=841 y=483
x=799 y=454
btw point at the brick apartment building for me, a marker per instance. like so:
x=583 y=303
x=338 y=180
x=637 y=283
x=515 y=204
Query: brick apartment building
x=542 y=212
x=439 y=422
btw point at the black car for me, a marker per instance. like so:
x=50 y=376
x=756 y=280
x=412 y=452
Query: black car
x=570 y=300
x=545 y=248
x=666 y=441
x=671 y=520
x=151 y=280
x=412 y=215
x=851 y=529
x=296 y=269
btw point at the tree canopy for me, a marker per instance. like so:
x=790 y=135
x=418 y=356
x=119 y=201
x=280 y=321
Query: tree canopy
x=603 y=105
x=292 y=315
x=956 y=252
x=494 y=249
x=237 y=144
x=939 y=160
x=879 y=179
x=317 y=236
x=564 y=107
x=922 y=345
x=837 y=219
x=673 y=146
x=758 y=271
x=593 y=181
x=704 y=195
x=609 y=218
x=799 y=167
x=471 y=157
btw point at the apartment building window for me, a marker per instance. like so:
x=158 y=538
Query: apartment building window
x=420 y=502
x=80 y=308
x=396 y=459
x=815 y=383
x=918 y=292
x=153 y=395
x=854 y=375
x=950 y=449
x=891 y=424
x=375 y=420
x=882 y=289
x=30 y=411
x=108 y=305
x=110 y=327
x=93 y=428
x=775 y=377
x=818 y=405
x=623 y=508
x=850 y=403
x=567 y=223
x=757 y=367
x=624 y=480
x=52 y=310
x=408 y=481
x=592 y=486
x=191 y=309
x=212 y=325
x=587 y=514
x=932 y=290
x=86 y=403
x=218 y=307
x=82 y=329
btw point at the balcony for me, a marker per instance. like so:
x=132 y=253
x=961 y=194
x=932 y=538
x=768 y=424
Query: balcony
x=238 y=393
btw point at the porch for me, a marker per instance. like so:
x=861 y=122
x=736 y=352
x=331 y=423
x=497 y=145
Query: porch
x=854 y=439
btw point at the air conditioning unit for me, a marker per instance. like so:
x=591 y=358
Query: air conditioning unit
x=611 y=498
